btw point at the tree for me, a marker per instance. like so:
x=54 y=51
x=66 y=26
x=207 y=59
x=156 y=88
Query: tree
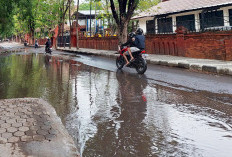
x=123 y=16
x=29 y=15
x=6 y=17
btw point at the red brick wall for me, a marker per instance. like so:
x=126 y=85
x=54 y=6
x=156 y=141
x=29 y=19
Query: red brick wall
x=102 y=43
x=199 y=45
x=208 y=46
x=162 y=44
x=203 y=45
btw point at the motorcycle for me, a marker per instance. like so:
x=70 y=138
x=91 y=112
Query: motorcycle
x=36 y=46
x=48 y=50
x=139 y=63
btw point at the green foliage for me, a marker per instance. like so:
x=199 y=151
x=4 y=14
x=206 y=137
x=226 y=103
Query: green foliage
x=86 y=5
x=29 y=16
x=146 y=4
x=25 y=16
x=6 y=12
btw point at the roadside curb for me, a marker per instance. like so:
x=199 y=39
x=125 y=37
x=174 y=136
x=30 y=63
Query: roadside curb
x=179 y=64
x=32 y=128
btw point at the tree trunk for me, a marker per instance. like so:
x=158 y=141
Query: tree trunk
x=122 y=31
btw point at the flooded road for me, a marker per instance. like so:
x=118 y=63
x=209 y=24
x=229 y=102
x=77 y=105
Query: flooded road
x=121 y=114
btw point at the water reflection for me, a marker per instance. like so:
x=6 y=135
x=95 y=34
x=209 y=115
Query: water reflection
x=42 y=76
x=133 y=139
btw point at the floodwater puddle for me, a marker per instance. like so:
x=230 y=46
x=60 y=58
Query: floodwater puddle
x=119 y=114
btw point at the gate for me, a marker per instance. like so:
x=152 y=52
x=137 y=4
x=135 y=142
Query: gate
x=63 y=42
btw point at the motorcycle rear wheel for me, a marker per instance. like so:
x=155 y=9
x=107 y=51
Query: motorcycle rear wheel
x=120 y=62
x=141 y=66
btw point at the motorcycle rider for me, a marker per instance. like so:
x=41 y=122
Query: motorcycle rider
x=129 y=43
x=137 y=43
x=36 y=43
x=47 y=44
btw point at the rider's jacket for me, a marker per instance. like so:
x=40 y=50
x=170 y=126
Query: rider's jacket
x=140 y=41
x=48 y=44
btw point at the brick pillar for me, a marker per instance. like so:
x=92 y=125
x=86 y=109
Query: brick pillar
x=180 y=43
x=228 y=48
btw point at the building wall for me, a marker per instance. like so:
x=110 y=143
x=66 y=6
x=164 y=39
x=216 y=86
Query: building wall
x=142 y=21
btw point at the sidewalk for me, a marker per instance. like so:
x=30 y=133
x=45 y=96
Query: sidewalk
x=204 y=65
x=30 y=127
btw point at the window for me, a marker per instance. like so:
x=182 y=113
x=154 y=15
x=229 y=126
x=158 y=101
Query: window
x=150 y=27
x=188 y=21
x=212 y=19
x=230 y=13
x=165 y=25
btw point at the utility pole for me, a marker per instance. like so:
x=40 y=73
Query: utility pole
x=77 y=24
x=69 y=24
x=90 y=17
x=95 y=23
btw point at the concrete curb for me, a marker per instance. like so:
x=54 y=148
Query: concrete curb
x=179 y=64
x=31 y=127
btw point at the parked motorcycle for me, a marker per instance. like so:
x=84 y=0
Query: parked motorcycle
x=139 y=63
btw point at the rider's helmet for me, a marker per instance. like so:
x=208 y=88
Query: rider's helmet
x=139 y=31
x=132 y=35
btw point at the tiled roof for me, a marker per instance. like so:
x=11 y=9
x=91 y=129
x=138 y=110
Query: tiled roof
x=175 y=6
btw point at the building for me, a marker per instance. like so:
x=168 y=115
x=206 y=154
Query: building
x=91 y=21
x=194 y=15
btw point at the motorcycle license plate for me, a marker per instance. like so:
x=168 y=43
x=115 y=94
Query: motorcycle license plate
x=145 y=55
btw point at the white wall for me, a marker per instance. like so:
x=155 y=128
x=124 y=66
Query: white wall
x=142 y=21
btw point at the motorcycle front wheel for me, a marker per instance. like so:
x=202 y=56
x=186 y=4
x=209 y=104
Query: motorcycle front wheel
x=141 y=66
x=120 y=62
